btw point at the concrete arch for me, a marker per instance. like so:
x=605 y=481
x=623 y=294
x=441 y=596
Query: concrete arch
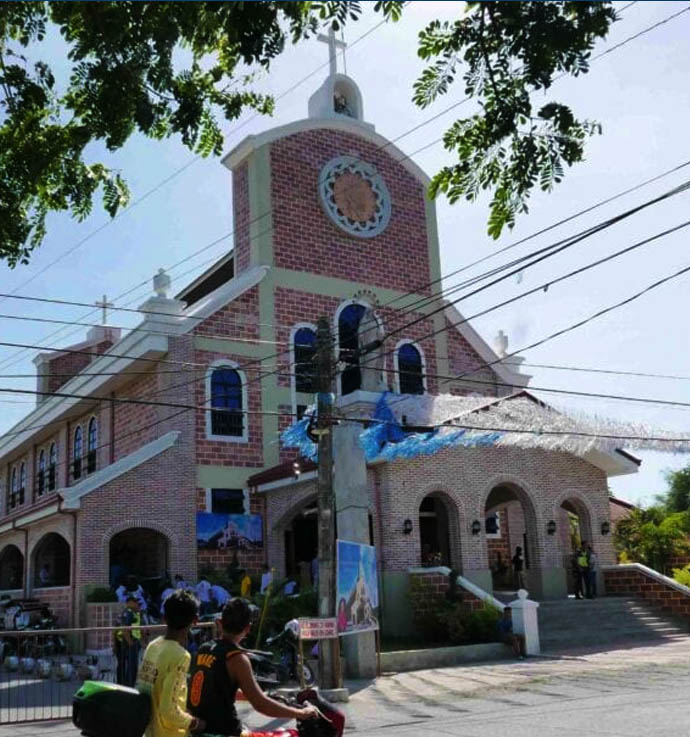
x=531 y=510
x=131 y=523
x=12 y=568
x=456 y=523
x=51 y=561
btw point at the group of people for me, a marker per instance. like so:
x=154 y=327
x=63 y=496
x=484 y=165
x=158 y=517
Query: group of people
x=218 y=670
x=584 y=567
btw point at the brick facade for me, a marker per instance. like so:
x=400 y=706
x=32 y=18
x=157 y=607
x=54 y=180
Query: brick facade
x=326 y=267
x=630 y=581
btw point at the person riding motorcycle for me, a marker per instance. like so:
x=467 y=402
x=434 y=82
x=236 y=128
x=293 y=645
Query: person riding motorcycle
x=221 y=667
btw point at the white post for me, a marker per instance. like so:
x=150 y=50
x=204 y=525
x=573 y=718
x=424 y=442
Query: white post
x=525 y=621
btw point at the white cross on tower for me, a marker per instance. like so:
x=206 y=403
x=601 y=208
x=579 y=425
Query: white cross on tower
x=333 y=45
x=104 y=305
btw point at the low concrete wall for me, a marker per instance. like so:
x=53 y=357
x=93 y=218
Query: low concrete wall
x=634 y=579
x=442 y=657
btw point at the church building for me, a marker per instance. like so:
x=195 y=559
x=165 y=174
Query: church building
x=167 y=448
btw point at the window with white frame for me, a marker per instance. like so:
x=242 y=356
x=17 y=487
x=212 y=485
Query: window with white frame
x=91 y=445
x=41 y=474
x=52 y=467
x=227 y=400
x=348 y=344
x=410 y=369
x=304 y=351
x=77 y=452
x=22 y=483
x=13 y=491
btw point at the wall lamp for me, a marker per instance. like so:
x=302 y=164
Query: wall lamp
x=550 y=527
x=605 y=528
x=296 y=470
x=407 y=527
x=476 y=527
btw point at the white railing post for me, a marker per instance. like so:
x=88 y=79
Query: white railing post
x=525 y=621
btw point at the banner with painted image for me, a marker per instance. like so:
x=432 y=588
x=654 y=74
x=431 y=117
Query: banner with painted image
x=357 y=588
x=228 y=531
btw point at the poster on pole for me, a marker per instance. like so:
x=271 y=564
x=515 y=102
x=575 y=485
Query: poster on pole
x=357 y=600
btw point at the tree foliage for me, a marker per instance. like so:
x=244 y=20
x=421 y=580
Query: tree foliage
x=157 y=68
x=166 y=69
x=652 y=537
x=677 y=498
x=506 y=52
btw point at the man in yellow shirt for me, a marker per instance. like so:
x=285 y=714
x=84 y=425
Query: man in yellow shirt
x=163 y=671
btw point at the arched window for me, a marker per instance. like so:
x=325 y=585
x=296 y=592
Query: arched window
x=51 y=561
x=410 y=369
x=41 y=475
x=348 y=325
x=227 y=416
x=11 y=568
x=52 y=467
x=14 y=490
x=91 y=445
x=304 y=346
x=77 y=452
x=22 y=482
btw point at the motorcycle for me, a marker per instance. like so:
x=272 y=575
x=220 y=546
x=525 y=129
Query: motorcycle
x=281 y=665
x=103 y=709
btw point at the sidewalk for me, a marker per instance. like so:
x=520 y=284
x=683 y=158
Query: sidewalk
x=394 y=696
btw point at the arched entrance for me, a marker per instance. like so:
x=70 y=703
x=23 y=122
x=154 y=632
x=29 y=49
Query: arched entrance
x=510 y=523
x=11 y=568
x=575 y=530
x=140 y=552
x=51 y=561
x=438 y=531
x=302 y=540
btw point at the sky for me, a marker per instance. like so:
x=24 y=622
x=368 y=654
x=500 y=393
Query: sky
x=638 y=92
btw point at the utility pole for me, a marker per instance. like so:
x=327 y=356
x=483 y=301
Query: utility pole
x=328 y=657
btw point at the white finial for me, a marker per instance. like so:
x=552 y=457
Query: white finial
x=104 y=305
x=501 y=344
x=161 y=283
x=333 y=45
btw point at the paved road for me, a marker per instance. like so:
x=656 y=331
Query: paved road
x=641 y=691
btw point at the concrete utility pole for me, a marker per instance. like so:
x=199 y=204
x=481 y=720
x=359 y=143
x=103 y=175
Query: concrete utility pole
x=326 y=578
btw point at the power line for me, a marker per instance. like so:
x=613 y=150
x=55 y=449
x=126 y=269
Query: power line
x=614 y=372
x=541 y=287
x=429 y=120
x=580 y=323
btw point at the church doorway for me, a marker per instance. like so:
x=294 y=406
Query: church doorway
x=140 y=552
x=11 y=568
x=438 y=527
x=51 y=561
x=509 y=524
x=574 y=530
x=302 y=540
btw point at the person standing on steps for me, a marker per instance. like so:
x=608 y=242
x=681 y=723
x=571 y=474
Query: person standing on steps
x=583 y=565
x=519 y=569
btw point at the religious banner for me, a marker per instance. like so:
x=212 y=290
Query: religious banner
x=228 y=531
x=357 y=588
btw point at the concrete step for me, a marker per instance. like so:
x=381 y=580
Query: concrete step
x=598 y=623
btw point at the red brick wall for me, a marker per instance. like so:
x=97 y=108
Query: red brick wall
x=429 y=589
x=59 y=599
x=241 y=217
x=463 y=358
x=71 y=364
x=305 y=239
x=624 y=581
x=245 y=453
x=128 y=418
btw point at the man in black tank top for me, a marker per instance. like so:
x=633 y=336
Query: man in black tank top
x=220 y=667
